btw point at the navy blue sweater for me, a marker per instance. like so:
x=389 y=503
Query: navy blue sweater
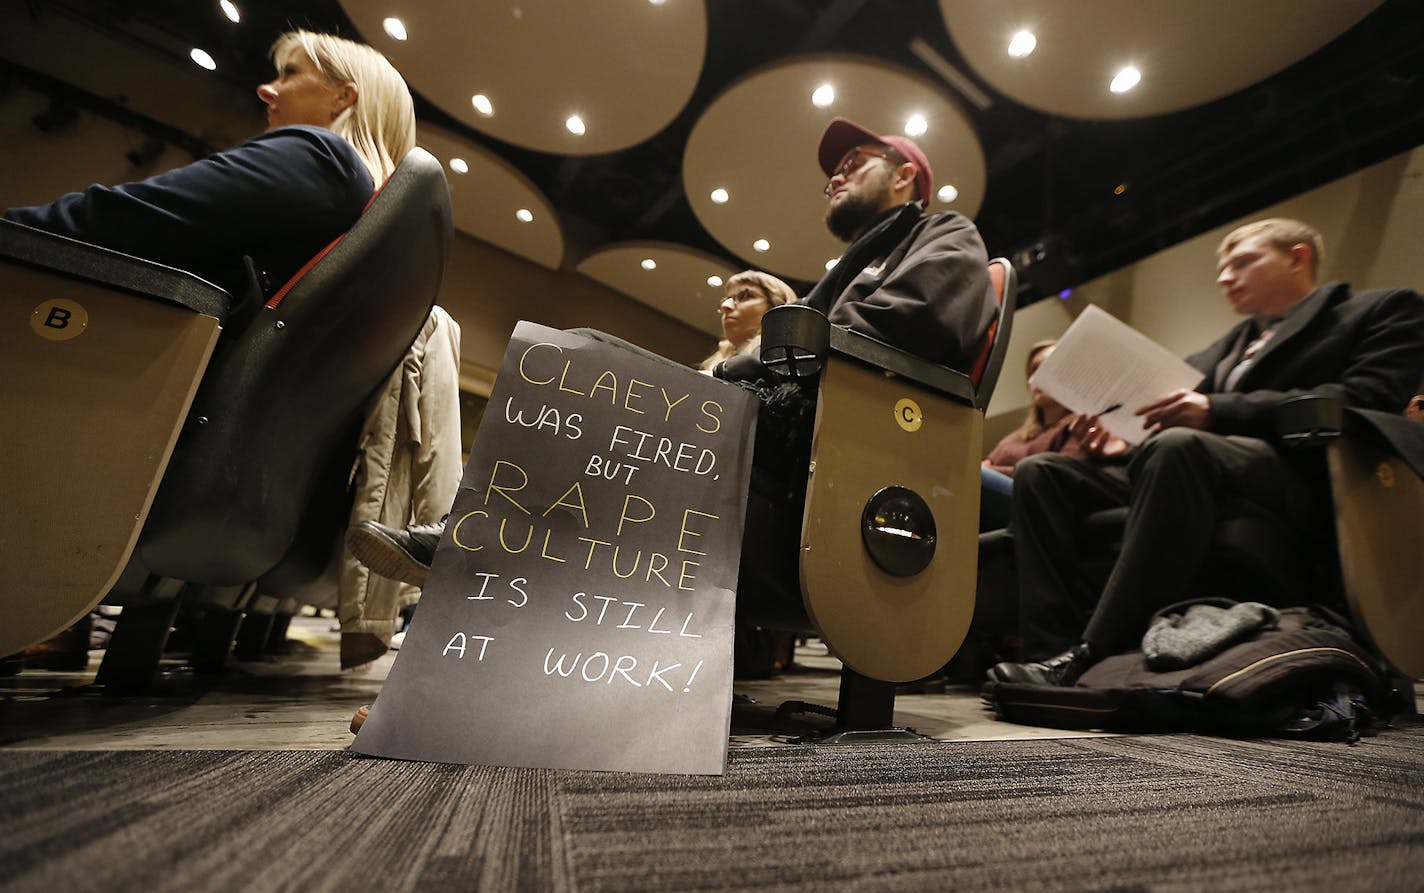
x=278 y=198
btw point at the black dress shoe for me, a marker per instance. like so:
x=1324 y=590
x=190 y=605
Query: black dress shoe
x=1061 y=670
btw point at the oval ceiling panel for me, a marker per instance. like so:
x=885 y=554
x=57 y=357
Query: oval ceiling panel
x=1186 y=53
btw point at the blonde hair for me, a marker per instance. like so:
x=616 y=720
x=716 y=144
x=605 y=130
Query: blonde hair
x=776 y=293
x=380 y=124
x=1281 y=232
x=1033 y=423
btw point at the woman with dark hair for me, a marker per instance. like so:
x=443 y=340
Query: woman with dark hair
x=1045 y=429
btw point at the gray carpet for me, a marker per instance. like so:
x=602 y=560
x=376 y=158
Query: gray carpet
x=1139 y=813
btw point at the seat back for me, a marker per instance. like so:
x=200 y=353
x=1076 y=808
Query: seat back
x=278 y=396
x=1004 y=286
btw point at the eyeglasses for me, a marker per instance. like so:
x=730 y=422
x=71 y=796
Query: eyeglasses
x=745 y=296
x=852 y=162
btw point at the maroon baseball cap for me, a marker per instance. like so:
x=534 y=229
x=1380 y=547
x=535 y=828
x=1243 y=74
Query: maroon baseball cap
x=842 y=135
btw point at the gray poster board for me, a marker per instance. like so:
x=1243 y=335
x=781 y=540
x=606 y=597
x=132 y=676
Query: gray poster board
x=579 y=609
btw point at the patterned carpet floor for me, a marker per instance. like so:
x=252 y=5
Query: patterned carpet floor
x=1149 y=813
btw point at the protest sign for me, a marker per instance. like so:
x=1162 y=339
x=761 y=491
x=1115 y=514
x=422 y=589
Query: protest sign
x=579 y=609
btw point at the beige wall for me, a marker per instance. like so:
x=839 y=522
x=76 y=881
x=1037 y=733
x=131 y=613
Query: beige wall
x=1373 y=223
x=35 y=166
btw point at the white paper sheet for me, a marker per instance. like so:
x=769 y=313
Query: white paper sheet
x=1104 y=366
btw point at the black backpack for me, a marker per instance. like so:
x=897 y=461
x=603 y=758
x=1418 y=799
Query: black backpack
x=1308 y=678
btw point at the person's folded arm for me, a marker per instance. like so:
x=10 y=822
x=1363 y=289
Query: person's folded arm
x=201 y=216
x=935 y=303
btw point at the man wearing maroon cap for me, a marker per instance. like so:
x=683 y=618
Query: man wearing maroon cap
x=914 y=280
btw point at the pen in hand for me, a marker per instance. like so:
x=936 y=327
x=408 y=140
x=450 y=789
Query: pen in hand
x=1114 y=408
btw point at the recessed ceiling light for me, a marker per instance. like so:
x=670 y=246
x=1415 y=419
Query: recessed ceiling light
x=649 y=264
x=395 y=28
x=482 y=104
x=459 y=166
x=230 y=10
x=202 y=58
x=916 y=125
x=761 y=245
x=714 y=281
x=720 y=196
x=1021 y=44
x=1119 y=189
x=657 y=2
x=575 y=125
x=947 y=193
x=1125 y=80
x=824 y=96
x=524 y=215
x=832 y=262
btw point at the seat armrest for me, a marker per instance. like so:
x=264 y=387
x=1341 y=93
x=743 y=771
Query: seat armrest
x=867 y=350
x=1308 y=421
x=37 y=248
x=794 y=340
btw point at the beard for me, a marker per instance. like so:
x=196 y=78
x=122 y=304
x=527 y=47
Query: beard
x=851 y=215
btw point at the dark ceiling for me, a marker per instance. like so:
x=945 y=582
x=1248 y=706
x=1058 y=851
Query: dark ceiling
x=1051 y=202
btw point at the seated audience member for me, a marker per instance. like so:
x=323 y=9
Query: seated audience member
x=1364 y=349
x=749 y=294
x=914 y=280
x=1046 y=429
x=339 y=120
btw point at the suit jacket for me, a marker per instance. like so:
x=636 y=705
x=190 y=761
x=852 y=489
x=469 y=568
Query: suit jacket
x=1365 y=350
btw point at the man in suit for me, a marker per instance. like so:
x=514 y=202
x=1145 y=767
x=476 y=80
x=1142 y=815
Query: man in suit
x=1364 y=349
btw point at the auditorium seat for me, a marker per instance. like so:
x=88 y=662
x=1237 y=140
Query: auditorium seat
x=883 y=570
x=100 y=357
x=274 y=411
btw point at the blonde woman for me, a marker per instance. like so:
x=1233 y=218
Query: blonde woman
x=339 y=119
x=745 y=300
